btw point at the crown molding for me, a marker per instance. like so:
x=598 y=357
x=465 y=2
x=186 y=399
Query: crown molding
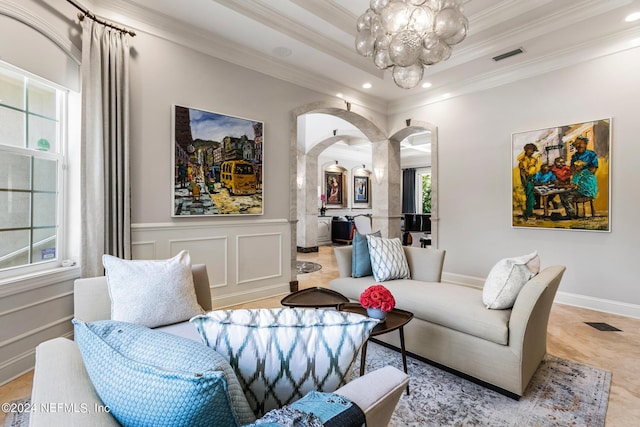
x=573 y=55
x=158 y=25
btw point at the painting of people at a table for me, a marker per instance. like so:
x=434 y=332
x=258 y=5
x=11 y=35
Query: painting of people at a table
x=561 y=177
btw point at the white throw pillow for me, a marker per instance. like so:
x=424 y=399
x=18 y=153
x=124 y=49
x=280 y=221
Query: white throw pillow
x=388 y=260
x=506 y=279
x=280 y=355
x=151 y=293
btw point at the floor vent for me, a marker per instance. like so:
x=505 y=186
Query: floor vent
x=603 y=326
x=509 y=54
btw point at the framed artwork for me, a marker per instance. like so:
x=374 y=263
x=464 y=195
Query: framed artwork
x=561 y=177
x=217 y=164
x=361 y=189
x=334 y=188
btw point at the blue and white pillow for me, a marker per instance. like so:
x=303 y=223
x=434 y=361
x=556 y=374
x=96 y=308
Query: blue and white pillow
x=149 y=377
x=280 y=355
x=360 y=259
x=388 y=260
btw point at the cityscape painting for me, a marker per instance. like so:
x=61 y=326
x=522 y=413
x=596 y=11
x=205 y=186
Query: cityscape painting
x=561 y=177
x=217 y=164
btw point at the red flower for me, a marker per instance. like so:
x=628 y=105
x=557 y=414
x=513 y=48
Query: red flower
x=377 y=296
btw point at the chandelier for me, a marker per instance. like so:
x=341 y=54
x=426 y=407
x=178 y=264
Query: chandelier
x=407 y=35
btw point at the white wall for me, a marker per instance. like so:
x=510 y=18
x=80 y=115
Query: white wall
x=475 y=176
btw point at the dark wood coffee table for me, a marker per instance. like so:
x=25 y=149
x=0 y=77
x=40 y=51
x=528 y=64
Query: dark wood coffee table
x=317 y=297
x=396 y=319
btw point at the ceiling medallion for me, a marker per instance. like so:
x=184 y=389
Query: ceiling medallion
x=407 y=35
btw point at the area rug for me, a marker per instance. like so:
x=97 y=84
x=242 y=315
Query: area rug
x=561 y=393
x=14 y=414
x=307 y=267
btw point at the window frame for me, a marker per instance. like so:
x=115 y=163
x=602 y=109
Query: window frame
x=59 y=155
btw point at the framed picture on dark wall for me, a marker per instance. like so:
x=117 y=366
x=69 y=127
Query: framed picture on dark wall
x=334 y=188
x=361 y=189
x=561 y=177
x=217 y=164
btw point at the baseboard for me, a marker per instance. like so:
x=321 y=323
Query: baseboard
x=566 y=298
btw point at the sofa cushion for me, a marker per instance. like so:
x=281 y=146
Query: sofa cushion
x=148 y=377
x=506 y=279
x=279 y=355
x=452 y=306
x=361 y=259
x=151 y=292
x=388 y=260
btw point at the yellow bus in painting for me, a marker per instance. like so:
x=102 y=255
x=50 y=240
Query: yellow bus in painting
x=239 y=177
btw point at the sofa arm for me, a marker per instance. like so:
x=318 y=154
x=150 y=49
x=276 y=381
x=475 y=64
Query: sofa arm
x=343 y=258
x=62 y=393
x=377 y=394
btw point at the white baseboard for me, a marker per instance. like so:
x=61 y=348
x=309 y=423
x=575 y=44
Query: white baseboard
x=583 y=301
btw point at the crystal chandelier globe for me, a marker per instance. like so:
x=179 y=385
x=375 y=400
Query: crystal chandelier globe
x=407 y=35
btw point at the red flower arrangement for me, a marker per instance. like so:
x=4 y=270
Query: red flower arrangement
x=377 y=296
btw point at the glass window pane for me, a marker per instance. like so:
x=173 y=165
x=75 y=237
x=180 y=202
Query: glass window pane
x=14 y=212
x=44 y=174
x=41 y=99
x=11 y=89
x=12 y=127
x=15 y=171
x=44 y=244
x=44 y=209
x=14 y=248
x=46 y=129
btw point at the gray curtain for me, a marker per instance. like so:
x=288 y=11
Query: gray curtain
x=409 y=190
x=105 y=187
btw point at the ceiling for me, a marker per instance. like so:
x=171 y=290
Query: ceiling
x=311 y=42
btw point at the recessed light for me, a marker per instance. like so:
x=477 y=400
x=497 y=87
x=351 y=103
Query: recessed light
x=281 y=51
x=366 y=86
x=633 y=17
x=339 y=95
x=426 y=85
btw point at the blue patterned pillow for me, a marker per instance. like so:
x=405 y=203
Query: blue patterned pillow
x=388 y=260
x=361 y=260
x=149 y=377
x=280 y=355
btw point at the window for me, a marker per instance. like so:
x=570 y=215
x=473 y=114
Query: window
x=31 y=161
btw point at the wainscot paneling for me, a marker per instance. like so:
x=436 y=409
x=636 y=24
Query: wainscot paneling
x=33 y=309
x=246 y=260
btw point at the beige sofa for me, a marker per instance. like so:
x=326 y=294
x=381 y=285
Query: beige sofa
x=61 y=378
x=452 y=326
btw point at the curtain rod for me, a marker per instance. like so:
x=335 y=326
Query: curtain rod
x=85 y=12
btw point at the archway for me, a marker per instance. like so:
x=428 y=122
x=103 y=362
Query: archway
x=413 y=127
x=385 y=158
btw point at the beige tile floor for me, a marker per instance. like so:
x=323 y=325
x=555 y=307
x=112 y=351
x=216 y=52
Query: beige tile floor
x=568 y=337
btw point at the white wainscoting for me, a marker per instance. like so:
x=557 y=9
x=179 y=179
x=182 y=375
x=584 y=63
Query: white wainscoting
x=246 y=260
x=33 y=309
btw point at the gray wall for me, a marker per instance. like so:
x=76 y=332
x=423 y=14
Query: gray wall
x=474 y=182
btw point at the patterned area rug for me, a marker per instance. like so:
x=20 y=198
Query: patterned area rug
x=14 y=416
x=307 y=267
x=561 y=393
